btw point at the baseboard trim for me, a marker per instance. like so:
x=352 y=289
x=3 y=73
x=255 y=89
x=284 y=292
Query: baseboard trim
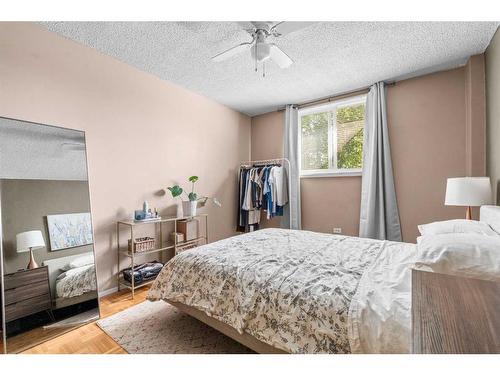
x=107 y=292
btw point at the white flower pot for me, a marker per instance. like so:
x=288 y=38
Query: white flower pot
x=193 y=206
x=190 y=208
x=180 y=211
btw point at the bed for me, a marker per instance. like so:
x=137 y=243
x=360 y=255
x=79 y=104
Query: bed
x=288 y=291
x=72 y=279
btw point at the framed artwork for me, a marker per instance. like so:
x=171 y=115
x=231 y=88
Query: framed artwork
x=69 y=230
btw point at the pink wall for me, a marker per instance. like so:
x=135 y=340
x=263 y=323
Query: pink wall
x=427 y=128
x=49 y=79
x=475 y=116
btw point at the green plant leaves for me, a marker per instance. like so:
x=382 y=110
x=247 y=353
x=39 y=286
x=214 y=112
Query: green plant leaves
x=176 y=190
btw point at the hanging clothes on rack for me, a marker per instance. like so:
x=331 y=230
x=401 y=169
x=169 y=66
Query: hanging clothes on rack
x=262 y=186
x=279 y=191
x=249 y=201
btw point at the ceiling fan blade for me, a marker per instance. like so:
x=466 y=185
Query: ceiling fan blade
x=232 y=51
x=287 y=27
x=280 y=57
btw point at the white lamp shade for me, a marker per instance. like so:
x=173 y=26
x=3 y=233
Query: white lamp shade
x=468 y=191
x=30 y=239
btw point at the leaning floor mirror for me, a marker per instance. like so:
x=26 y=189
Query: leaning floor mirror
x=48 y=276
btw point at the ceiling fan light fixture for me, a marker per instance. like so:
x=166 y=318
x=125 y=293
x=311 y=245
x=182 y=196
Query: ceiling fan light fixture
x=261 y=51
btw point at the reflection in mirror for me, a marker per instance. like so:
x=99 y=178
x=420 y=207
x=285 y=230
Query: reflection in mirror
x=49 y=277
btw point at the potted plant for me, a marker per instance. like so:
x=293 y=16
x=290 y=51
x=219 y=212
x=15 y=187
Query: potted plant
x=193 y=198
x=176 y=191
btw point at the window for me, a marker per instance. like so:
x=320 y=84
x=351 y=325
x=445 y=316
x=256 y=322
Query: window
x=331 y=138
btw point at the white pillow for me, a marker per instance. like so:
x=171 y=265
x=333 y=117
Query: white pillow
x=462 y=254
x=491 y=216
x=456 y=226
x=83 y=260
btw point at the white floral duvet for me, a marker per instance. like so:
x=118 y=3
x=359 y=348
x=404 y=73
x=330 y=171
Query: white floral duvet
x=290 y=289
x=76 y=282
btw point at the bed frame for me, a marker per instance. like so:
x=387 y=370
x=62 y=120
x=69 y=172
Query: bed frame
x=54 y=267
x=243 y=338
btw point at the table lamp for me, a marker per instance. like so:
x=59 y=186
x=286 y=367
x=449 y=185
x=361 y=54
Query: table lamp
x=468 y=192
x=27 y=241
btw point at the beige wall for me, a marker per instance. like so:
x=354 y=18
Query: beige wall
x=493 y=112
x=25 y=206
x=142 y=133
x=267 y=143
x=475 y=117
x=427 y=128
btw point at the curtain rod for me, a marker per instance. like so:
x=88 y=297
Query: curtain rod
x=337 y=96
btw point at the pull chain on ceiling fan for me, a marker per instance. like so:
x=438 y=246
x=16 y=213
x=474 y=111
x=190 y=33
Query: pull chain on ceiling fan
x=260 y=49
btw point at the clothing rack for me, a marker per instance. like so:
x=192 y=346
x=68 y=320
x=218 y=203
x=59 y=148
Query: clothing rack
x=257 y=163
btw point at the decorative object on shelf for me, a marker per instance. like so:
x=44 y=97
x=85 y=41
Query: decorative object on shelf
x=28 y=241
x=180 y=211
x=146 y=214
x=139 y=215
x=193 y=206
x=468 y=191
x=176 y=237
x=141 y=244
x=69 y=230
x=190 y=207
x=189 y=228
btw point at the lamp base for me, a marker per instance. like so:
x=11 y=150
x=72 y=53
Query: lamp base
x=32 y=264
x=468 y=213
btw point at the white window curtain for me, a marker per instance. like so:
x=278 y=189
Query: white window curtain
x=291 y=152
x=379 y=216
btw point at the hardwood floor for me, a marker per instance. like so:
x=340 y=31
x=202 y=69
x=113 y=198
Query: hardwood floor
x=90 y=339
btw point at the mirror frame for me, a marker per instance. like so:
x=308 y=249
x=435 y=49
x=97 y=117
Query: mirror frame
x=2 y=294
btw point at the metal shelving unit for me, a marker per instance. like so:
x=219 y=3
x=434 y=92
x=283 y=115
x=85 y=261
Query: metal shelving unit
x=163 y=246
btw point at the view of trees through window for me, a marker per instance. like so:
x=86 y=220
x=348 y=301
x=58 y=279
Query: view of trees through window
x=333 y=139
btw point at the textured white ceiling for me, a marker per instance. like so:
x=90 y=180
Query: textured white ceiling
x=330 y=57
x=39 y=152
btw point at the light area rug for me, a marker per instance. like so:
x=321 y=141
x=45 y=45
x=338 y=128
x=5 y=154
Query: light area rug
x=160 y=328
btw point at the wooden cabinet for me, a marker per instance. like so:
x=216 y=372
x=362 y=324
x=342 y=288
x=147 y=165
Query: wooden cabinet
x=454 y=315
x=26 y=292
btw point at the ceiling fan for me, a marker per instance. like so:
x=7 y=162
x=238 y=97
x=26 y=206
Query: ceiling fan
x=260 y=48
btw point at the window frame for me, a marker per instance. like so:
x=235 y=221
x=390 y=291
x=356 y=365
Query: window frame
x=332 y=137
